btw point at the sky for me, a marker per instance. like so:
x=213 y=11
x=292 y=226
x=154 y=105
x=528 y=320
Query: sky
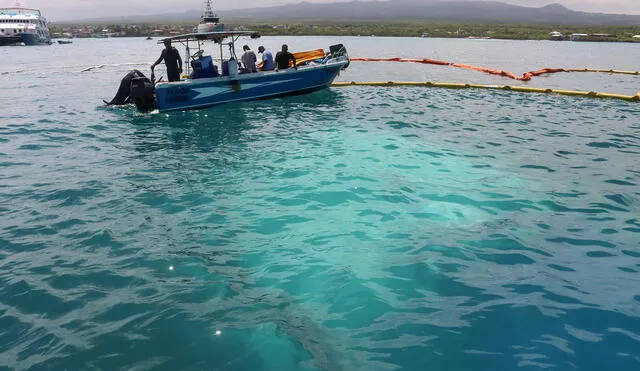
x=62 y=10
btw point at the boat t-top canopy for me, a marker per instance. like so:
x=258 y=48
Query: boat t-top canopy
x=216 y=36
x=200 y=38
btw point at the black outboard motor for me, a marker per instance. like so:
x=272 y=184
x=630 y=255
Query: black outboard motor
x=123 y=94
x=142 y=94
x=339 y=50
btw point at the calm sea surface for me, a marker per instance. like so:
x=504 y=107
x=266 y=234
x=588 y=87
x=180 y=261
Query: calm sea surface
x=355 y=228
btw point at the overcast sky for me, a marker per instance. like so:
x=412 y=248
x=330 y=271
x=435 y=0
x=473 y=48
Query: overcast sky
x=60 y=10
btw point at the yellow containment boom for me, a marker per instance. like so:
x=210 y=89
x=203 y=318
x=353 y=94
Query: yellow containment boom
x=523 y=89
x=603 y=71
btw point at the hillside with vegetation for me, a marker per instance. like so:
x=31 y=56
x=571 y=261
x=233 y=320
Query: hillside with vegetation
x=354 y=28
x=407 y=10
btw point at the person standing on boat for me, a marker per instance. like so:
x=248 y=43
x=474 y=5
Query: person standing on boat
x=172 y=60
x=267 y=59
x=249 y=60
x=283 y=57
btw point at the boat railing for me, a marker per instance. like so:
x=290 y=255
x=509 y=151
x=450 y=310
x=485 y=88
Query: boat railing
x=21 y=11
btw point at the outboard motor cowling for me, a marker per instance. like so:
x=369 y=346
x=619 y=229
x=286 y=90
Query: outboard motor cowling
x=123 y=95
x=142 y=94
x=339 y=50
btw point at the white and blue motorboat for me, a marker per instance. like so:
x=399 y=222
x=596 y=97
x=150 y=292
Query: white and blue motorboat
x=204 y=86
x=26 y=24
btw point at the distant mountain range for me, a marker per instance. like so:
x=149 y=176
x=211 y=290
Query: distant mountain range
x=398 y=10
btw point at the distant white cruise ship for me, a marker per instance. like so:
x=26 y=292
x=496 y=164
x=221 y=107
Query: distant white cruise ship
x=23 y=25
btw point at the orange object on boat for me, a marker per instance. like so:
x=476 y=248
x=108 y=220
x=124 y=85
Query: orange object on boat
x=306 y=56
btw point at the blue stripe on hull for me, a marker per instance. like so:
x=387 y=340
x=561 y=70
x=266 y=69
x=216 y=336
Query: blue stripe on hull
x=207 y=92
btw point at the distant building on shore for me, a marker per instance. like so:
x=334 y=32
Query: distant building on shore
x=578 y=36
x=592 y=37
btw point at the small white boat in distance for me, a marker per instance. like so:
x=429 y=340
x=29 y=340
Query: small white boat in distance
x=556 y=36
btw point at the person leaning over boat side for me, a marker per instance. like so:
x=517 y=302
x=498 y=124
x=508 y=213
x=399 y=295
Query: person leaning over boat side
x=172 y=60
x=283 y=57
x=267 y=59
x=248 y=60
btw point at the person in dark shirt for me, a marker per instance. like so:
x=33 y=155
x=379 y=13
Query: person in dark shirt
x=172 y=60
x=283 y=57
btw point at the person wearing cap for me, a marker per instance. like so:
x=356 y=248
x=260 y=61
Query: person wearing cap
x=283 y=57
x=267 y=59
x=172 y=61
x=248 y=60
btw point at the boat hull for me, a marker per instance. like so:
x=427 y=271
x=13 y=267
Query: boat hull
x=10 y=40
x=207 y=92
x=29 y=38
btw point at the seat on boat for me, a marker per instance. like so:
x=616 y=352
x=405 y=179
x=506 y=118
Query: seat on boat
x=230 y=67
x=225 y=68
x=203 y=67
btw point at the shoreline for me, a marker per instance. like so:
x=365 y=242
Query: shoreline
x=589 y=33
x=364 y=36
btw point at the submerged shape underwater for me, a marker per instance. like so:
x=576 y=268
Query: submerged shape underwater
x=355 y=228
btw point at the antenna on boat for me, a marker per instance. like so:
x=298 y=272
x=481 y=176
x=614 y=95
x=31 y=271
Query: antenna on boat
x=208 y=10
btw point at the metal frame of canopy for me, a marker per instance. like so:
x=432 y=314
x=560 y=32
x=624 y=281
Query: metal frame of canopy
x=216 y=36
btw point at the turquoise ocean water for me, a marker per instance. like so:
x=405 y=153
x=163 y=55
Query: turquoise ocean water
x=350 y=229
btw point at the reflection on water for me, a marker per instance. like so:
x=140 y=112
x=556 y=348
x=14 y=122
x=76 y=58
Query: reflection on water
x=227 y=124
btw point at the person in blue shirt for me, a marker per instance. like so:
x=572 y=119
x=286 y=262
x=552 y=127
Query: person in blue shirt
x=267 y=59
